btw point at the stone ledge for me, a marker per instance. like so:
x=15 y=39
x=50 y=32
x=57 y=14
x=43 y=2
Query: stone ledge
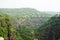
x=1 y=38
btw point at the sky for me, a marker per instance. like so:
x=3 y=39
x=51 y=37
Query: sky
x=41 y=5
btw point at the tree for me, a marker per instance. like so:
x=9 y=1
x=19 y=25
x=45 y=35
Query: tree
x=6 y=27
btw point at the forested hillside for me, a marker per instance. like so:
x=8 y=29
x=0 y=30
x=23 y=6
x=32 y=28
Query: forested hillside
x=24 y=23
x=49 y=30
x=27 y=16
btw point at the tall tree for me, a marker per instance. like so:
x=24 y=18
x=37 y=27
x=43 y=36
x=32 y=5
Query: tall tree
x=6 y=27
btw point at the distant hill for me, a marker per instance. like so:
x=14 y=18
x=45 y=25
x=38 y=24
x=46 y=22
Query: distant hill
x=27 y=16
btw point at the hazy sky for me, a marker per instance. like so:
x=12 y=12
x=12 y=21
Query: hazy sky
x=41 y=5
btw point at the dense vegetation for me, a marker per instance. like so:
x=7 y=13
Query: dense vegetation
x=50 y=30
x=13 y=33
x=6 y=29
x=26 y=24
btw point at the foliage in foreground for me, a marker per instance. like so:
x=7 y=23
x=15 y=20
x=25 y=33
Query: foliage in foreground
x=8 y=31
